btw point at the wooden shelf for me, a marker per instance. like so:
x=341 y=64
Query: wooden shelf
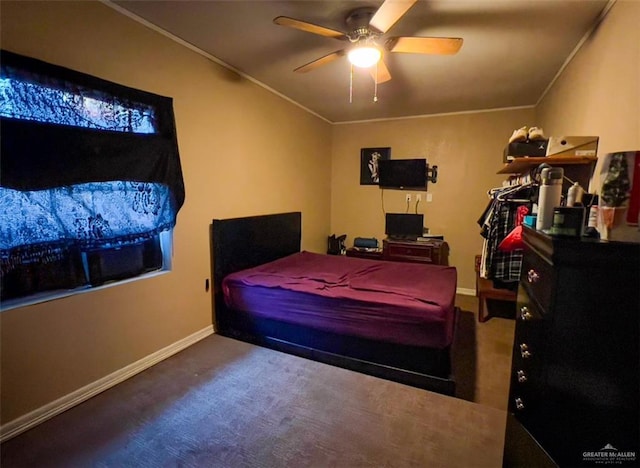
x=524 y=163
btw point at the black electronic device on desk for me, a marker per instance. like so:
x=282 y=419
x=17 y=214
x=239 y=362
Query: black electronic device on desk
x=365 y=243
x=404 y=226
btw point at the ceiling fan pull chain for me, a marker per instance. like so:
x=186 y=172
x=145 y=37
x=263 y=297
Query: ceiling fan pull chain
x=375 y=86
x=351 y=85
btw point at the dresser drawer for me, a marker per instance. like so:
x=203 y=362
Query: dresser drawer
x=538 y=276
x=432 y=251
x=412 y=252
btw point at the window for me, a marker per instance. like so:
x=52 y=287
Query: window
x=90 y=181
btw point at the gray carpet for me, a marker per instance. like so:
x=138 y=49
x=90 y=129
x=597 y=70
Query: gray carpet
x=226 y=403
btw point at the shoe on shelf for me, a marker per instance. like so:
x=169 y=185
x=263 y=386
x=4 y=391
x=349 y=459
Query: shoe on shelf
x=519 y=135
x=536 y=133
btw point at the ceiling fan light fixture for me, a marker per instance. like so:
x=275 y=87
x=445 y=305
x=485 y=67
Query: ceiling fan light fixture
x=364 y=56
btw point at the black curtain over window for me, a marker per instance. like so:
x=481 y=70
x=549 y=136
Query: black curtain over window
x=37 y=155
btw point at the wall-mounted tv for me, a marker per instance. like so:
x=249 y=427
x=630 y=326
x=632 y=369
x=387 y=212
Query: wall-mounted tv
x=403 y=225
x=403 y=174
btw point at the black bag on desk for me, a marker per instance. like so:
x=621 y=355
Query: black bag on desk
x=336 y=244
x=366 y=242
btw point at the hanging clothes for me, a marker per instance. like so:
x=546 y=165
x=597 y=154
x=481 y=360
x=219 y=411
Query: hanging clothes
x=499 y=218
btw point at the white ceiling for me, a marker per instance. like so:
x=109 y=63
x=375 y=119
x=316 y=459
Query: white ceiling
x=512 y=51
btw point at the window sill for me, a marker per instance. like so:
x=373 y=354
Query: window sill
x=54 y=295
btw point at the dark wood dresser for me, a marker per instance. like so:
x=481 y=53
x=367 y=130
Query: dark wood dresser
x=574 y=391
x=431 y=251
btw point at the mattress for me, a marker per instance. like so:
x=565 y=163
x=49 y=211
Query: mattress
x=402 y=303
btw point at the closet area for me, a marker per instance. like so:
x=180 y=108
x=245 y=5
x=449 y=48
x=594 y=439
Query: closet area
x=510 y=206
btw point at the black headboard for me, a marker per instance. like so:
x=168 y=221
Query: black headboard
x=240 y=243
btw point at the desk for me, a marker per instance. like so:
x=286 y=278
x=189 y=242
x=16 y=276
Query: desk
x=431 y=251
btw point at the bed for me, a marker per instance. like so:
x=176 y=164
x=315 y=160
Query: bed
x=388 y=319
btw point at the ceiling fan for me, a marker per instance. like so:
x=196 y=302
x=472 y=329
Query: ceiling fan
x=366 y=27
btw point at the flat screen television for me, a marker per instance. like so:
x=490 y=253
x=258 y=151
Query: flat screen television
x=403 y=225
x=407 y=174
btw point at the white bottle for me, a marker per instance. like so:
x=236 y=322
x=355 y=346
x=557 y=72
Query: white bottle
x=574 y=194
x=549 y=195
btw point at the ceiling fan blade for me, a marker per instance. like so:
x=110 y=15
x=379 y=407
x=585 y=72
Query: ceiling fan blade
x=390 y=12
x=319 y=62
x=381 y=73
x=309 y=27
x=424 y=45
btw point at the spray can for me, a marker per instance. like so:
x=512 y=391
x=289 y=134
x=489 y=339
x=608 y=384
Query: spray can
x=574 y=195
x=549 y=195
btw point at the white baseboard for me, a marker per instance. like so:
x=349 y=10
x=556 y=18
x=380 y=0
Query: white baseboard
x=40 y=415
x=466 y=291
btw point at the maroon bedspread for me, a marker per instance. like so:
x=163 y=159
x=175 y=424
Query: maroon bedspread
x=404 y=303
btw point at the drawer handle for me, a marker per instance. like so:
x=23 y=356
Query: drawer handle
x=519 y=404
x=522 y=376
x=533 y=276
x=525 y=314
x=524 y=351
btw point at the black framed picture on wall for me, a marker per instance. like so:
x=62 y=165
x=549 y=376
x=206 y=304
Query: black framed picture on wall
x=369 y=158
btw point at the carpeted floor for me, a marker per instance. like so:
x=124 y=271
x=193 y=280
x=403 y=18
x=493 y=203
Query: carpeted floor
x=484 y=349
x=226 y=403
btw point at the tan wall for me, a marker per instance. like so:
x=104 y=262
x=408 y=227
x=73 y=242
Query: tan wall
x=244 y=151
x=467 y=148
x=599 y=91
